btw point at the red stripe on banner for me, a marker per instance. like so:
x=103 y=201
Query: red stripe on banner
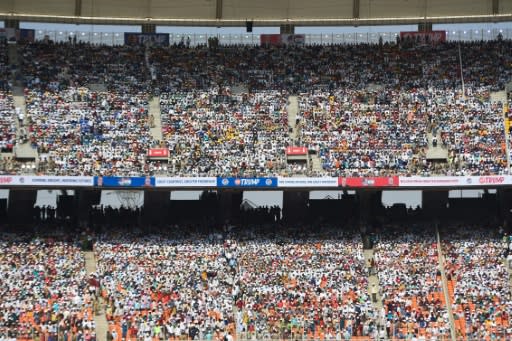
x=296 y=151
x=381 y=181
x=158 y=152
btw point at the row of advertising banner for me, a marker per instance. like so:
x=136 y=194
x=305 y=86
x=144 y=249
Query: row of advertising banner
x=389 y=182
x=13 y=35
x=282 y=39
x=162 y=39
x=428 y=37
x=146 y=39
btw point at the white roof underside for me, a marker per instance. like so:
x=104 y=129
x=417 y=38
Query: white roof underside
x=262 y=12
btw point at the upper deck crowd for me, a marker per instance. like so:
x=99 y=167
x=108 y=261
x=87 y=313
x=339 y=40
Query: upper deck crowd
x=225 y=111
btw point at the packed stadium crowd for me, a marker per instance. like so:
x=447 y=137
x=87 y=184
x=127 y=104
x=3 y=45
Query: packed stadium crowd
x=365 y=132
x=314 y=286
x=79 y=130
x=410 y=281
x=211 y=286
x=167 y=286
x=45 y=293
x=7 y=112
x=292 y=283
x=208 y=133
x=363 y=109
x=478 y=281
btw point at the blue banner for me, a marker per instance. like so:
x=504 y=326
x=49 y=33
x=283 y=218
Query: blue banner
x=247 y=182
x=120 y=181
x=151 y=39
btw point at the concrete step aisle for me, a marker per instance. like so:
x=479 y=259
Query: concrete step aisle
x=374 y=288
x=155 y=119
x=100 y=318
x=23 y=149
x=293 y=110
x=316 y=163
x=437 y=152
x=447 y=290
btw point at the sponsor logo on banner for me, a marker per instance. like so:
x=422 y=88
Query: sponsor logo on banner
x=186 y=182
x=431 y=37
x=6 y=179
x=455 y=181
x=491 y=180
x=247 y=182
x=125 y=182
x=115 y=181
x=381 y=181
x=143 y=39
x=307 y=182
x=442 y=181
x=81 y=181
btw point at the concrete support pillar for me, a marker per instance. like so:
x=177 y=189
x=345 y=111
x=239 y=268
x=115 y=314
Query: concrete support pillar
x=21 y=206
x=434 y=203
x=85 y=199
x=67 y=206
x=3 y=210
x=369 y=207
x=425 y=27
x=12 y=23
x=148 y=28
x=287 y=29
x=295 y=206
x=156 y=207
x=505 y=207
x=229 y=202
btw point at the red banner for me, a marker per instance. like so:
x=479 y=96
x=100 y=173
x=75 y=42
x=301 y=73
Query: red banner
x=296 y=151
x=432 y=37
x=380 y=181
x=282 y=39
x=158 y=152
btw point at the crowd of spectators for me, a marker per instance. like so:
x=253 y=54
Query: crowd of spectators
x=85 y=116
x=299 y=283
x=44 y=290
x=410 y=281
x=277 y=282
x=172 y=285
x=478 y=281
x=363 y=109
x=369 y=132
x=304 y=284
x=300 y=69
x=220 y=134
x=7 y=112
x=107 y=133
x=472 y=130
x=508 y=117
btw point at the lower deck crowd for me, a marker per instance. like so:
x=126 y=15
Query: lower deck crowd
x=276 y=283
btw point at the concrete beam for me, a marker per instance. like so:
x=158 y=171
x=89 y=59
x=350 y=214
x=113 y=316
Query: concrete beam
x=218 y=9
x=495 y=7
x=355 y=9
x=78 y=8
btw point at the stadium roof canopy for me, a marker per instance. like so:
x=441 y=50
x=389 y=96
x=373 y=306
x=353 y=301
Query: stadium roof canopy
x=261 y=12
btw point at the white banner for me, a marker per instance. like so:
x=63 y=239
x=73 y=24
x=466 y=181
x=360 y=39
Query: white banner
x=455 y=181
x=307 y=182
x=71 y=181
x=186 y=182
